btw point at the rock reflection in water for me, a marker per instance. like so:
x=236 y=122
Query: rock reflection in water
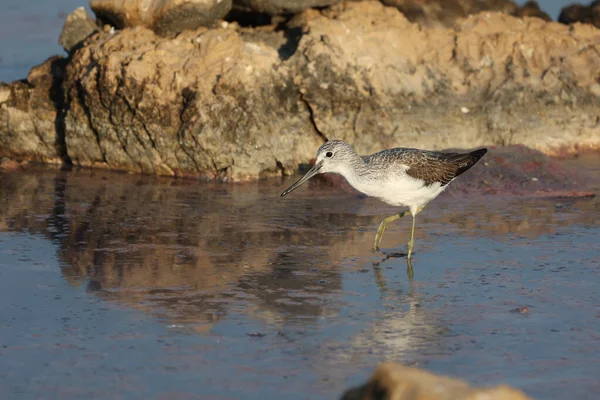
x=180 y=249
x=183 y=250
x=188 y=252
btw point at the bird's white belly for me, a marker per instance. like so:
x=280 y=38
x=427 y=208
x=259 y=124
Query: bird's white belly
x=406 y=192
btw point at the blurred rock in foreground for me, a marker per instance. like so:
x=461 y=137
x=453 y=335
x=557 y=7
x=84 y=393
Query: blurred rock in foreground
x=240 y=103
x=397 y=382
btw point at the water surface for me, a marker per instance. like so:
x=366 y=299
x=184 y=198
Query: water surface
x=119 y=286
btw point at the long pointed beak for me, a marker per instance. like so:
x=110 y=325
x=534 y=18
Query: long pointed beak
x=313 y=171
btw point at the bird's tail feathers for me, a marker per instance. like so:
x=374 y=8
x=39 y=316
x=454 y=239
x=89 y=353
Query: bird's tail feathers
x=466 y=161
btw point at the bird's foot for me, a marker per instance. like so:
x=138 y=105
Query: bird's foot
x=387 y=256
x=376 y=249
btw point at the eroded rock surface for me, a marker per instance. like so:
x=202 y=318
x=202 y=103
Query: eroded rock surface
x=447 y=12
x=398 y=382
x=31 y=116
x=376 y=80
x=163 y=16
x=531 y=9
x=521 y=171
x=207 y=103
x=77 y=27
x=275 y=7
x=242 y=103
x=580 y=13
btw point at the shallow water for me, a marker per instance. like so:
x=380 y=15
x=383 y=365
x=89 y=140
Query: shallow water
x=118 y=286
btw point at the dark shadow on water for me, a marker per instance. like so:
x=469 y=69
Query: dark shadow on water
x=396 y=254
x=388 y=255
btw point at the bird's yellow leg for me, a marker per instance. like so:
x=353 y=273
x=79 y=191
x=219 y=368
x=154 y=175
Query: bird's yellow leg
x=412 y=238
x=411 y=242
x=383 y=226
x=409 y=270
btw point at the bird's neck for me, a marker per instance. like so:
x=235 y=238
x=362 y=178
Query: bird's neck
x=354 y=171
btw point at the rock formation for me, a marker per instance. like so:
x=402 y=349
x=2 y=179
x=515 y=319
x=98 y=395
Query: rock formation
x=31 y=115
x=446 y=13
x=580 y=13
x=240 y=103
x=275 y=7
x=207 y=103
x=78 y=26
x=165 y=17
x=395 y=381
x=531 y=9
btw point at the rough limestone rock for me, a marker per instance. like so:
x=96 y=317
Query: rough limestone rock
x=165 y=17
x=376 y=80
x=243 y=103
x=275 y=7
x=446 y=13
x=580 y=13
x=31 y=115
x=398 y=382
x=77 y=27
x=531 y=9
x=205 y=104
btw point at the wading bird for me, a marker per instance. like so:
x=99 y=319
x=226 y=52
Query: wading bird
x=399 y=177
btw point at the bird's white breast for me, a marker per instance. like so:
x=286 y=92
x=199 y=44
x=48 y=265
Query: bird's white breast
x=401 y=190
x=393 y=187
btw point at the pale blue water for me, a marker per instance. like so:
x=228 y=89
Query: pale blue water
x=135 y=288
x=29 y=31
x=132 y=287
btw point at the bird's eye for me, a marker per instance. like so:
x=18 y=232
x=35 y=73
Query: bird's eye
x=329 y=154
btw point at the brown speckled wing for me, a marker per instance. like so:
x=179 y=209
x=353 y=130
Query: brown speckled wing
x=430 y=166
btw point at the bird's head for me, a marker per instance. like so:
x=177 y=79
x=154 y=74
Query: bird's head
x=333 y=156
